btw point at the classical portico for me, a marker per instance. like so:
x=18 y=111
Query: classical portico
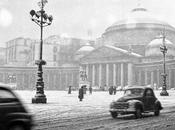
x=151 y=73
x=109 y=66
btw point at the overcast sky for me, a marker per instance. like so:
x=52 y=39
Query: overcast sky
x=74 y=18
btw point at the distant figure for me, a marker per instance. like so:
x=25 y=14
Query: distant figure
x=84 y=89
x=114 y=89
x=69 y=90
x=90 y=90
x=81 y=93
x=110 y=90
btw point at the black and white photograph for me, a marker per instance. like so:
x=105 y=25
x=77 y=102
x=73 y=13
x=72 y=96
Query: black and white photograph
x=87 y=65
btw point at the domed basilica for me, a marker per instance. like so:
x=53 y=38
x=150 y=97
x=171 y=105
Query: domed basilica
x=129 y=53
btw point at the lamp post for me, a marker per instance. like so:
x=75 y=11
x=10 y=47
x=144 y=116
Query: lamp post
x=164 y=49
x=43 y=20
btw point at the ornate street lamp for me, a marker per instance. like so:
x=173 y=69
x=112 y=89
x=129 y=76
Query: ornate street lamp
x=164 y=49
x=43 y=20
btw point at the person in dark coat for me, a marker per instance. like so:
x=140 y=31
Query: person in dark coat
x=84 y=89
x=69 y=90
x=110 y=90
x=81 y=93
x=90 y=89
x=114 y=89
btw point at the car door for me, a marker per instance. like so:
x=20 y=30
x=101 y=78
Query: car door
x=8 y=104
x=149 y=99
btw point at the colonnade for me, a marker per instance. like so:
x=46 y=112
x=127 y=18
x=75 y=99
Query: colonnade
x=153 y=77
x=55 y=78
x=109 y=74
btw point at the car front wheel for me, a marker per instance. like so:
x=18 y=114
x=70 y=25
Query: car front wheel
x=17 y=127
x=114 y=114
x=138 y=113
x=157 y=111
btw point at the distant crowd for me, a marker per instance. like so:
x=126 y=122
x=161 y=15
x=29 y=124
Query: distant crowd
x=83 y=89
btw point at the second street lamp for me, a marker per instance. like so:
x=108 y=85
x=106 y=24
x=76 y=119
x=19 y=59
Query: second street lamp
x=43 y=20
x=164 y=49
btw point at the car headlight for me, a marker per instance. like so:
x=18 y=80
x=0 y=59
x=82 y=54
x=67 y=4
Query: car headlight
x=131 y=103
x=111 y=104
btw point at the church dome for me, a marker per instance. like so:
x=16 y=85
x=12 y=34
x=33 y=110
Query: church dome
x=84 y=50
x=138 y=29
x=153 y=48
x=139 y=18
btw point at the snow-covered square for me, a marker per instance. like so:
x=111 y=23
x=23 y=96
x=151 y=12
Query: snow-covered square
x=62 y=108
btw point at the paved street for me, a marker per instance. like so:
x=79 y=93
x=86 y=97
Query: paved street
x=64 y=110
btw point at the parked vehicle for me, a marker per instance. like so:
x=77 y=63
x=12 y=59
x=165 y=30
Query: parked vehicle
x=136 y=100
x=13 y=115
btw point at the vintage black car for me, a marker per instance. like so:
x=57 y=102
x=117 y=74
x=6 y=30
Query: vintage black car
x=136 y=100
x=13 y=115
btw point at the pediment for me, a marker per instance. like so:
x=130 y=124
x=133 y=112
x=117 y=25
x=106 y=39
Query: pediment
x=109 y=53
x=105 y=52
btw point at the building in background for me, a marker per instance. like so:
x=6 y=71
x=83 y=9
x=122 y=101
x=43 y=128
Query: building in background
x=129 y=53
x=2 y=56
x=57 y=51
x=19 y=52
x=136 y=31
x=67 y=48
x=61 y=70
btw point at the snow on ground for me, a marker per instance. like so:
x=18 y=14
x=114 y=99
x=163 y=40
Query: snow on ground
x=60 y=102
x=64 y=108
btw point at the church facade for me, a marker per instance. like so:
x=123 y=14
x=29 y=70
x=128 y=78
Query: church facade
x=112 y=66
x=129 y=53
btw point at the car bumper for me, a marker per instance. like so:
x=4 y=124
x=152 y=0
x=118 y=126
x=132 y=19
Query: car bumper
x=128 y=110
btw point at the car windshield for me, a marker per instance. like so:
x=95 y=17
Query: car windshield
x=136 y=92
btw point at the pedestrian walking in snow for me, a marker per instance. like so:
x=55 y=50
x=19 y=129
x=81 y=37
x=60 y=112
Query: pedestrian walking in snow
x=84 y=89
x=90 y=90
x=81 y=93
x=69 y=89
x=110 y=90
x=114 y=89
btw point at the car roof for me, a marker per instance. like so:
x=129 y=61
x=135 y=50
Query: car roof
x=5 y=86
x=138 y=87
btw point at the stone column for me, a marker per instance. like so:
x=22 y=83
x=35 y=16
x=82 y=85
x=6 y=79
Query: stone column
x=130 y=74
x=146 y=78
x=107 y=75
x=158 y=78
x=100 y=75
x=23 y=80
x=114 y=75
x=93 y=75
x=72 y=78
x=139 y=77
x=152 y=79
x=4 y=77
x=87 y=71
x=122 y=75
